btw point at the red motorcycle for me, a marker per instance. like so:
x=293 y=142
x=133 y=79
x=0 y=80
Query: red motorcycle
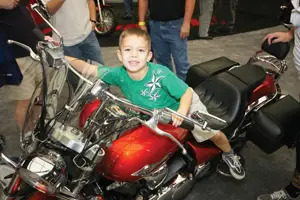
x=100 y=146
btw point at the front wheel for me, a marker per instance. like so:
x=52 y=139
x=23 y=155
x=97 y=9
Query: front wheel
x=108 y=24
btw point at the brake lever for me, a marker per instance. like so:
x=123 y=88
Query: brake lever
x=32 y=54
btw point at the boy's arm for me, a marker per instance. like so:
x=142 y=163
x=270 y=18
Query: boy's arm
x=184 y=106
x=84 y=68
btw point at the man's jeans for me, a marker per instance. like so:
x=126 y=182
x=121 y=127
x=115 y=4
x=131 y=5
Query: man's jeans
x=166 y=41
x=88 y=49
x=128 y=7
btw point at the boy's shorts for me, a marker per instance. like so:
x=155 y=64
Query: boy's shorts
x=32 y=76
x=200 y=134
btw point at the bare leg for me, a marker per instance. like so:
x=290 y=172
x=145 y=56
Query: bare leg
x=221 y=141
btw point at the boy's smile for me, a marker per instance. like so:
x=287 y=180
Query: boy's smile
x=134 y=53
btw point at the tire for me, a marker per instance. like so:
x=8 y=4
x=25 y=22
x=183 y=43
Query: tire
x=108 y=25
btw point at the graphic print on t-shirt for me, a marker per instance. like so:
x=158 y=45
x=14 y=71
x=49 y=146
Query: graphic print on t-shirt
x=153 y=87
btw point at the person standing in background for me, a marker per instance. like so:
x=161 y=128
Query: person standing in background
x=75 y=21
x=169 y=28
x=206 y=10
x=128 y=9
x=225 y=12
x=17 y=24
x=291 y=191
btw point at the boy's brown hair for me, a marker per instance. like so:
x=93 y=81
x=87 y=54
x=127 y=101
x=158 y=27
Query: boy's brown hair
x=136 y=32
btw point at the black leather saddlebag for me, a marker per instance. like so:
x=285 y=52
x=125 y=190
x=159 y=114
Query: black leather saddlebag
x=200 y=72
x=275 y=125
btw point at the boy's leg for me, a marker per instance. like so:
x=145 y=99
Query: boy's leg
x=219 y=139
x=229 y=157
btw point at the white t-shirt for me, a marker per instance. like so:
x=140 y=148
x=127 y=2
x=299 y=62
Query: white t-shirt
x=295 y=20
x=72 y=20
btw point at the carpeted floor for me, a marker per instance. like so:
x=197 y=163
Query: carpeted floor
x=250 y=15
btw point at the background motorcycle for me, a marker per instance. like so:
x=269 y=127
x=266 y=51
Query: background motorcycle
x=106 y=20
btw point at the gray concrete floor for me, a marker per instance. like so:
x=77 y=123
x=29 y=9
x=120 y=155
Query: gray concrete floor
x=264 y=172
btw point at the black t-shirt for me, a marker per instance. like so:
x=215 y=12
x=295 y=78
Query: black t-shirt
x=166 y=10
x=17 y=24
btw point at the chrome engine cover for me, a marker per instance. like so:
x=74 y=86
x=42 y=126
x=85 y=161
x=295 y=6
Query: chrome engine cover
x=68 y=136
x=177 y=190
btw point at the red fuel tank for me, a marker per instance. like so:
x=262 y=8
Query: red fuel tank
x=135 y=149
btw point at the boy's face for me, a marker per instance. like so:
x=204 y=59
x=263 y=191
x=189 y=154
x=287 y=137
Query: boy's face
x=134 y=53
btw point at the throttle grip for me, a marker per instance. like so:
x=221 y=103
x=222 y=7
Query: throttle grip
x=186 y=124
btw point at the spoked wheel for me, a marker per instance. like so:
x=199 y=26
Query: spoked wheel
x=108 y=24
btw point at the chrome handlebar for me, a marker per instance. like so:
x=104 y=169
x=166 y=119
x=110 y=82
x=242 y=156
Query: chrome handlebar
x=157 y=115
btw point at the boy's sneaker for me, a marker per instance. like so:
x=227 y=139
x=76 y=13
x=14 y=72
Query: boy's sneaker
x=235 y=167
x=278 y=195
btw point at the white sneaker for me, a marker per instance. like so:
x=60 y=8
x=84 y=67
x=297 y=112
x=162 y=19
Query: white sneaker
x=277 y=195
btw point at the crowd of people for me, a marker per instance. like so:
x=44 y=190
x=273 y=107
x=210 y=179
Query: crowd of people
x=168 y=27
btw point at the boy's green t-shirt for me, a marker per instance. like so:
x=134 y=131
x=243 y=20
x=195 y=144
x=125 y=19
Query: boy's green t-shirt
x=160 y=87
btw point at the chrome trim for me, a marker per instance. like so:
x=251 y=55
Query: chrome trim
x=8 y=161
x=115 y=185
x=32 y=54
x=157 y=177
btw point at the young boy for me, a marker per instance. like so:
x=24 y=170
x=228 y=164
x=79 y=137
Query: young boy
x=154 y=86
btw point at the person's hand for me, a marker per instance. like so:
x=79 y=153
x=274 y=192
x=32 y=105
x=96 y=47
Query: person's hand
x=185 y=30
x=9 y=4
x=177 y=120
x=144 y=28
x=93 y=25
x=279 y=37
x=50 y=39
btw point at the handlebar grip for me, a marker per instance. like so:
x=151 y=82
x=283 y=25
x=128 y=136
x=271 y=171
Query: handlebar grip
x=186 y=124
x=39 y=34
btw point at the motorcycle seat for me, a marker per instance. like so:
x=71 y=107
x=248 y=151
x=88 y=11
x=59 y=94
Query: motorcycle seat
x=202 y=71
x=250 y=74
x=225 y=96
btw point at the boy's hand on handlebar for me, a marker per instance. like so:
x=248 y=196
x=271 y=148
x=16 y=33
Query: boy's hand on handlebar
x=177 y=120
